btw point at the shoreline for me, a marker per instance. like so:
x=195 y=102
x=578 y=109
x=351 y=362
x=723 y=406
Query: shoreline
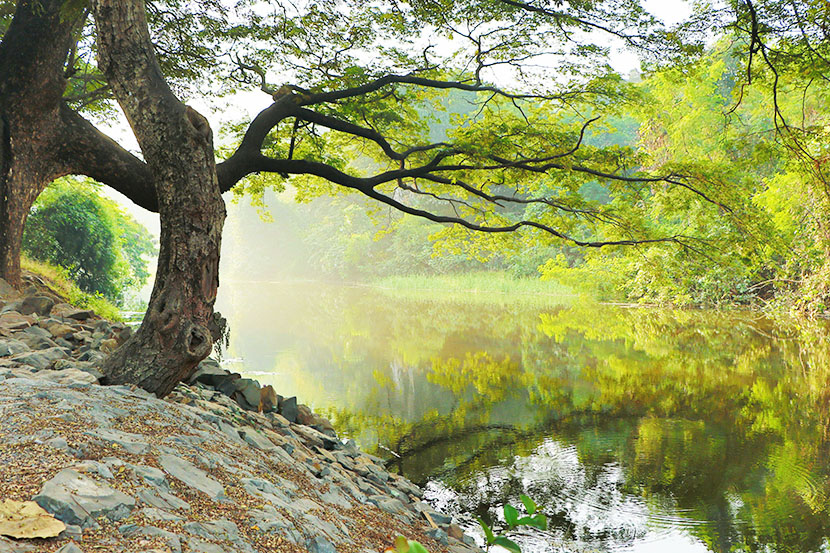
x=215 y=467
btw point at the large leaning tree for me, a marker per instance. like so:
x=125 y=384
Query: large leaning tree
x=353 y=88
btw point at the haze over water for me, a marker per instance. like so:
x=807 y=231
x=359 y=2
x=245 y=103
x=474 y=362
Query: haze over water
x=638 y=429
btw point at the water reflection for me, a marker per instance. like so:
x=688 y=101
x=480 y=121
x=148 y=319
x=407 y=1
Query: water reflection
x=638 y=429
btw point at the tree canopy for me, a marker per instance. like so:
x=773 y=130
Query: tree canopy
x=355 y=91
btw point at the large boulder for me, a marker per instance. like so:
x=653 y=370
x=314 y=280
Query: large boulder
x=41 y=305
x=75 y=498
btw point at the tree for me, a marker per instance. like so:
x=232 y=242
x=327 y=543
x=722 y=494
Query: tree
x=517 y=163
x=100 y=246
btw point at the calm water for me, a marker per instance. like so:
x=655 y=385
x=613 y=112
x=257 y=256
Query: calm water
x=639 y=430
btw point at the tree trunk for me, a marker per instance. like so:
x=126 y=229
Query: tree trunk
x=32 y=57
x=178 y=147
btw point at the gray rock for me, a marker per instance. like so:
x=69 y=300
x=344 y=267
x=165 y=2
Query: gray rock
x=192 y=476
x=33 y=359
x=131 y=443
x=10 y=346
x=38 y=331
x=389 y=505
x=438 y=535
x=209 y=372
x=70 y=548
x=12 y=320
x=41 y=305
x=172 y=540
x=288 y=409
x=151 y=474
x=160 y=514
x=198 y=529
x=74 y=498
x=36 y=342
x=162 y=500
x=9 y=546
x=200 y=546
x=7 y=290
x=247 y=393
x=255 y=439
x=320 y=545
x=68 y=377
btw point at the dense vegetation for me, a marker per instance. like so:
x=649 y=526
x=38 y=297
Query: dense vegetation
x=99 y=246
x=757 y=222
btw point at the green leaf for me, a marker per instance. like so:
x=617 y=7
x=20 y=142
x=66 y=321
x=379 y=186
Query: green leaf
x=507 y=544
x=401 y=544
x=415 y=547
x=541 y=521
x=487 y=532
x=511 y=516
x=529 y=504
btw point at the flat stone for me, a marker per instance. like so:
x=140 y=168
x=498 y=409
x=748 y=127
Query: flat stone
x=162 y=500
x=10 y=346
x=10 y=546
x=192 y=476
x=320 y=545
x=66 y=311
x=150 y=474
x=75 y=498
x=33 y=359
x=160 y=514
x=131 y=443
x=35 y=341
x=12 y=320
x=69 y=377
x=255 y=439
x=200 y=546
x=59 y=330
x=70 y=547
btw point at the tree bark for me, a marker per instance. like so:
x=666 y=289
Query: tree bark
x=32 y=56
x=178 y=148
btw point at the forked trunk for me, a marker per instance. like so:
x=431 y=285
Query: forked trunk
x=178 y=147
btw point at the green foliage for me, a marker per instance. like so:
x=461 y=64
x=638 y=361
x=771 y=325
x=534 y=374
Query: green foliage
x=100 y=247
x=58 y=279
x=511 y=519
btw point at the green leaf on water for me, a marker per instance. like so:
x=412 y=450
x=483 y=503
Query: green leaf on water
x=487 y=532
x=529 y=504
x=507 y=544
x=511 y=516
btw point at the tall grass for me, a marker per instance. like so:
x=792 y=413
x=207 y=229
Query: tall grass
x=479 y=287
x=57 y=278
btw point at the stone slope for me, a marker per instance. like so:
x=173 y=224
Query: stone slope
x=196 y=472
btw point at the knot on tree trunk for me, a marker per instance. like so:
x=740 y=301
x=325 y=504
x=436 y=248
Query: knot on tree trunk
x=197 y=341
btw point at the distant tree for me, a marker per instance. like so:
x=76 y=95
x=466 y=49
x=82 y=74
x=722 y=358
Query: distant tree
x=101 y=247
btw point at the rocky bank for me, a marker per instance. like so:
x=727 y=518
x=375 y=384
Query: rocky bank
x=221 y=465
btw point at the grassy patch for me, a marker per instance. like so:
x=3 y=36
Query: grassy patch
x=480 y=287
x=60 y=282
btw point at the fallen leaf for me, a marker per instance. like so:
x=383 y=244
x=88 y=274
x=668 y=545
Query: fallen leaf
x=26 y=519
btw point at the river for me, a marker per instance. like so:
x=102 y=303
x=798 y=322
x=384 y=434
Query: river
x=637 y=429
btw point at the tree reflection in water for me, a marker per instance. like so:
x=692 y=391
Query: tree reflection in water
x=638 y=429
